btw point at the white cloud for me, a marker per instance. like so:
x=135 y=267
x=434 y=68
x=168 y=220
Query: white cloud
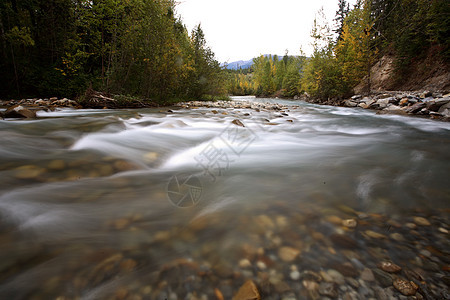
x=242 y=29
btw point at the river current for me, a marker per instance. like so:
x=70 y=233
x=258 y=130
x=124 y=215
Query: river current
x=189 y=203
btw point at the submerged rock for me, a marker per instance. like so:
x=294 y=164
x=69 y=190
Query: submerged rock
x=248 y=291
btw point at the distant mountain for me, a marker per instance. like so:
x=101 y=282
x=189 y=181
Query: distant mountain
x=244 y=64
x=240 y=64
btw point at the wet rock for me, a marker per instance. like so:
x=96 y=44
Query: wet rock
x=57 y=164
x=407 y=288
x=415 y=108
x=245 y=263
x=350 y=223
x=421 y=221
x=328 y=289
x=288 y=254
x=425 y=94
x=248 y=291
x=437 y=103
x=389 y=267
x=294 y=275
x=18 y=111
x=336 y=276
x=375 y=235
x=382 y=277
x=237 y=122
x=343 y=240
x=310 y=285
x=346 y=269
x=127 y=265
x=28 y=172
x=367 y=275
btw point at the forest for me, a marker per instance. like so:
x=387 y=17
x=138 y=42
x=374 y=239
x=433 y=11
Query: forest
x=136 y=48
x=414 y=32
x=141 y=48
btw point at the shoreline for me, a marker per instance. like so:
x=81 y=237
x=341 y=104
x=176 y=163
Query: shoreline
x=425 y=104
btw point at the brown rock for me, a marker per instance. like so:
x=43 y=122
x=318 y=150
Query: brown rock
x=350 y=223
x=288 y=254
x=343 y=240
x=328 y=289
x=407 y=288
x=238 y=123
x=248 y=291
x=18 y=111
x=389 y=267
x=421 y=221
x=375 y=235
x=127 y=265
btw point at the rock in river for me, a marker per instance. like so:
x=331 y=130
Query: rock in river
x=248 y=291
x=407 y=288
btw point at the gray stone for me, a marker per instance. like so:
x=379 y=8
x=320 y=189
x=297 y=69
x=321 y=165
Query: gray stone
x=350 y=103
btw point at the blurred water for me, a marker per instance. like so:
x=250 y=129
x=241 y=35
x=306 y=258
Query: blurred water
x=76 y=181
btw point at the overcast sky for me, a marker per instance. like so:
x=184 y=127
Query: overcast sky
x=243 y=29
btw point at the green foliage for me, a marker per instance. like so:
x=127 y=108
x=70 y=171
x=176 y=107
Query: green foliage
x=133 y=47
x=275 y=76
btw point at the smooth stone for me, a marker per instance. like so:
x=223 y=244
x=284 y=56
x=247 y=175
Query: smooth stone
x=367 y=275
x=337 y=277
x=350 y=223
x=288 y=254
x=295 y=275
x=238 y=122
x=407 y=288
x=244 y=263
x=328 y=289
x=389 y=267
x=421 y=221
x=375 y=235
x=310 y=285
x=343 y=240
x=382 y=277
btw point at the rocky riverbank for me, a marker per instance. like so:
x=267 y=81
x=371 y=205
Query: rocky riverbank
x=27 y=108
x=424 y=104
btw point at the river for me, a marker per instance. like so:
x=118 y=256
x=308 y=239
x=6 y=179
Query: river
x=187 y=204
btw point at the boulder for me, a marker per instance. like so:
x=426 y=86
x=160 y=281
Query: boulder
x=425 y=94
x=383 y=103
x=444 y=110
x=18 y=111
x=437 y=103
x=416 y=107
x=350 y=103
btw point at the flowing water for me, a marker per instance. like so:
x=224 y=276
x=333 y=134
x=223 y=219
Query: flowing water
x=186 y=204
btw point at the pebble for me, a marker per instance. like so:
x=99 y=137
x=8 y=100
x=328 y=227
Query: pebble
x=389 y=267
x=382 y=277
x=367 y=275
x=407 y=288
x=397 y=237
x=245 y=263
x=337 y=277
x=350 y=223
x=328 y=289
x=28 y=172
x=443 y=230
x=343 y=240
x=421 y=221
x=295 y=275
x=261 y=265
x=310 y=285
x=288 y=254
x=374 y=234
